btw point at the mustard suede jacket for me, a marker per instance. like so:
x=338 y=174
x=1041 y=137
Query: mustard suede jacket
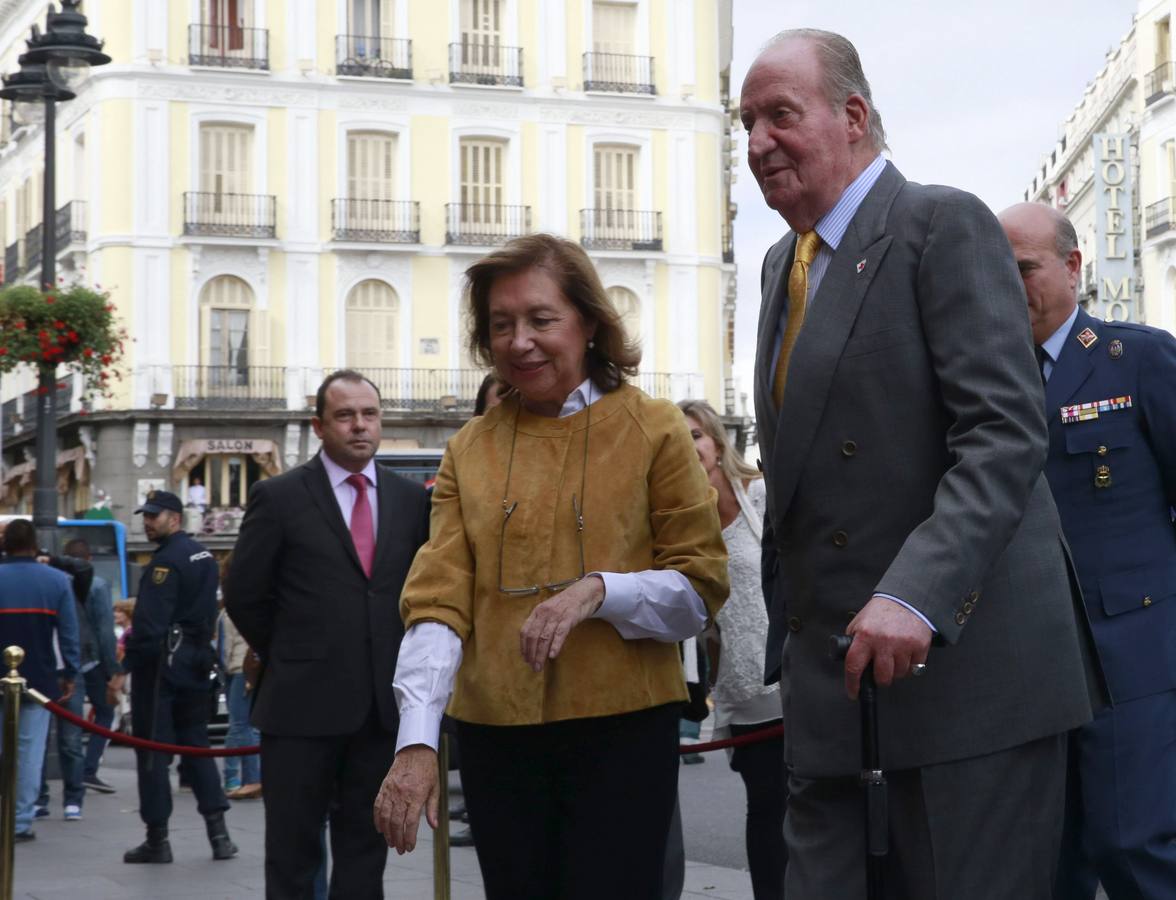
x=646 y=505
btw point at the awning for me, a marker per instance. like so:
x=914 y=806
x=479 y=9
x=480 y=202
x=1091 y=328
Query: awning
x=71 y=460
x=264 y=453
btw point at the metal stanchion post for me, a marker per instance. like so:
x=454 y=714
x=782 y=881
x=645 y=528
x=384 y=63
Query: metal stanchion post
x=13 y=687
x=441 y=835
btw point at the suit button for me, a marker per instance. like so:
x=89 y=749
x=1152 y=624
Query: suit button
x=840 y=538
x=1147 y=601
x=794 y=624
x=1102 y=450
x=968 y=607
x=974 y=596
x=848 y=449
x=961 y=618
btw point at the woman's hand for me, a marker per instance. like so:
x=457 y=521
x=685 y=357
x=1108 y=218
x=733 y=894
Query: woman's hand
x=409 y=787
x=543 y=634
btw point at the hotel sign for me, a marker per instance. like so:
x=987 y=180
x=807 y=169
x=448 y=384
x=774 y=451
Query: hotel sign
x=1115 y=257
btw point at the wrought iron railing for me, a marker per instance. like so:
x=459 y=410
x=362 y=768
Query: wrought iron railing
x=728 y=243
x=618 y=73
x=1159 y=81
x=228 y=46
x=374 y=57
x=33 y=248
x=483 y=62
x=229 y=387
x=1159 y=217
x=485 y=224
x=30 y=399
x=671 y=385
x=389 y=221
x=230 y=215
x=12 y=262
x=620 y=229
x=427 y=390
x=70 y=225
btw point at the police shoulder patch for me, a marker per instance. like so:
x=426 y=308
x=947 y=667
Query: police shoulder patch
x=159 y=574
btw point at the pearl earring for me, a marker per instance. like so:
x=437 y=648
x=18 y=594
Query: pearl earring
x=591 y=345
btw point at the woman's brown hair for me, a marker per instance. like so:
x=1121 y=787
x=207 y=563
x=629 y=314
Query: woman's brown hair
x=614 y=355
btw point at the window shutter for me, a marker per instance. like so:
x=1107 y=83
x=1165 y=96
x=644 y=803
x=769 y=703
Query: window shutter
x=613 y=27
x=372 y=312
x=482 y=180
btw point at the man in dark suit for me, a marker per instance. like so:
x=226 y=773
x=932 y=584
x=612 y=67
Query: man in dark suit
x=1110 y=401
x=314 y=587
x=902 y=436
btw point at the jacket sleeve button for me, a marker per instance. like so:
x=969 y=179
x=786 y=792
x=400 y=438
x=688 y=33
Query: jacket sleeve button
x=794 y=624
x=848 y=449
x=1147 y=601
x=960 y=618
x=840 y=538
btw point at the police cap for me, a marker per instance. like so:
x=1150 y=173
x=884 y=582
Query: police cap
x=158 y=501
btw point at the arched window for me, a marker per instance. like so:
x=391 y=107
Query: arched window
x=226 y=313
x=373 y=313
x=629 y=307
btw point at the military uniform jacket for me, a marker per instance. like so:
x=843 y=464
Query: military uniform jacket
x=1111 y=407
x=178 y=588
x=907 y=459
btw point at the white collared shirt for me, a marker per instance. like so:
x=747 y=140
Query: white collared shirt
x=345 y=493
x=660 y=604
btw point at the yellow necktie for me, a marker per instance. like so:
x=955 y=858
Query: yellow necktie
x=807 y=246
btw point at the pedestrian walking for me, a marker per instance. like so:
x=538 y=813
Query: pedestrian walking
x=242 y=774
x=574 y=541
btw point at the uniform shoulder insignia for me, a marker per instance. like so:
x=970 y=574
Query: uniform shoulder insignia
x=1087 y=338
x=159 y=574
x=1115 y=349
x=203 y=554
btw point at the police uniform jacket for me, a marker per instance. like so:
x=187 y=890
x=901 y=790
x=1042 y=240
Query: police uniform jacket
x=178 y=588
x=1111 y=406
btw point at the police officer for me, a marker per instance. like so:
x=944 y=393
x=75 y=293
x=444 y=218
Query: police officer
x=169 y=653
x=1110 y=398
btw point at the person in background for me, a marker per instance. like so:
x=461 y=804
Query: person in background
x=242 y=774
x=37 y=612
x=198 y=494
x=1113 y=476
x=104 y=677
x=573 y=542
x=743 y=703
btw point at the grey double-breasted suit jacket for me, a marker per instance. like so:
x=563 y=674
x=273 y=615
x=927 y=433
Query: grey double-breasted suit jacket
x=907 y=460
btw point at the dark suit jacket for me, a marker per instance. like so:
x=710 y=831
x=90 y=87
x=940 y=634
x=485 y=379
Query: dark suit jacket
x=907 y=460
x=1121 y=533
x=328 y=635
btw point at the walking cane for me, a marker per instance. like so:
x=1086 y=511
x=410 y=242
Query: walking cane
x=873 y=778
x=441 y=834
x=13 y=688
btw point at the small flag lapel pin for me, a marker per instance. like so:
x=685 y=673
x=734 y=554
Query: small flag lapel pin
x=861 y=267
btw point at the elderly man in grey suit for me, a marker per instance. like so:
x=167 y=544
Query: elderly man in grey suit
x=899 y=413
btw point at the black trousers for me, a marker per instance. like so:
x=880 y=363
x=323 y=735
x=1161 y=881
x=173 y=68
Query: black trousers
x=181 y=717
x=308 y=779
x=574 y=810
x=761 y=766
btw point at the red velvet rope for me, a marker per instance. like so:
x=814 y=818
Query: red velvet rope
x=127 y=740
x=118 y=737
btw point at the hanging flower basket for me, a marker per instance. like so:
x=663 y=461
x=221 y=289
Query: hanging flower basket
x=73 y=326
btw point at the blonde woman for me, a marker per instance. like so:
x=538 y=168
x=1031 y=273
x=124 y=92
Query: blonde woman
x=743 y=703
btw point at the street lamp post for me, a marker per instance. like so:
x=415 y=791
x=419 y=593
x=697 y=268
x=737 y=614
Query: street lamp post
x=56 y=64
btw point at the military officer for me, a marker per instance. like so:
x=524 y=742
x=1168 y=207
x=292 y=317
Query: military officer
x=169 y=653
x=1110 y=396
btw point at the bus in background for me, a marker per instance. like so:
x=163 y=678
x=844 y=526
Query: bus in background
x=108 y=549
x=419 y=464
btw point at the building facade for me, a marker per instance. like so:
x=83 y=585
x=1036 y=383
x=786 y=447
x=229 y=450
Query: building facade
x=1113 y=172
x=271 y=189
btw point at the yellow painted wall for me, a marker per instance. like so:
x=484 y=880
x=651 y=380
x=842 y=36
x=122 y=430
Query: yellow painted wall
x=430 y=309
x=430 y=174
x=280 y=46
x=659 y=146
x=116 y=186
x=577 y=189
x=117 y=30
x=114 y=266
x=659 y=44
x=706 y=53
x=710 y=361
x=428 y=24
x=277 y=176
x=328 y=333
x=328 y=160
x=178 y=19
x=529 y=38
x=708 y=201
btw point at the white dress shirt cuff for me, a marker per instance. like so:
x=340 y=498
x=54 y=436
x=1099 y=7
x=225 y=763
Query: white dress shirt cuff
x=903 y=603
x=658 y=603
x=430 y=655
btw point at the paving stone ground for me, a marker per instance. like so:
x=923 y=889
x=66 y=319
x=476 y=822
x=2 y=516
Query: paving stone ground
x=83 y=860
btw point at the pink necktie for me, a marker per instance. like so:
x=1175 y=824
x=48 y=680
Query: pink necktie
x=361 y=524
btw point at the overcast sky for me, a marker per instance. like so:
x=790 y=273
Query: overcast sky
x=971 y=94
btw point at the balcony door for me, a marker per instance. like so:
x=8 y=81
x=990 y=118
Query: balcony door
x=371 y=180
x=481 y=33
x=225 y=176
x=226 y=314
x=373 y=313
x=483 y=185
x=614 y=27
x=614 y=191
x=371 y=18
x=224 y=23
